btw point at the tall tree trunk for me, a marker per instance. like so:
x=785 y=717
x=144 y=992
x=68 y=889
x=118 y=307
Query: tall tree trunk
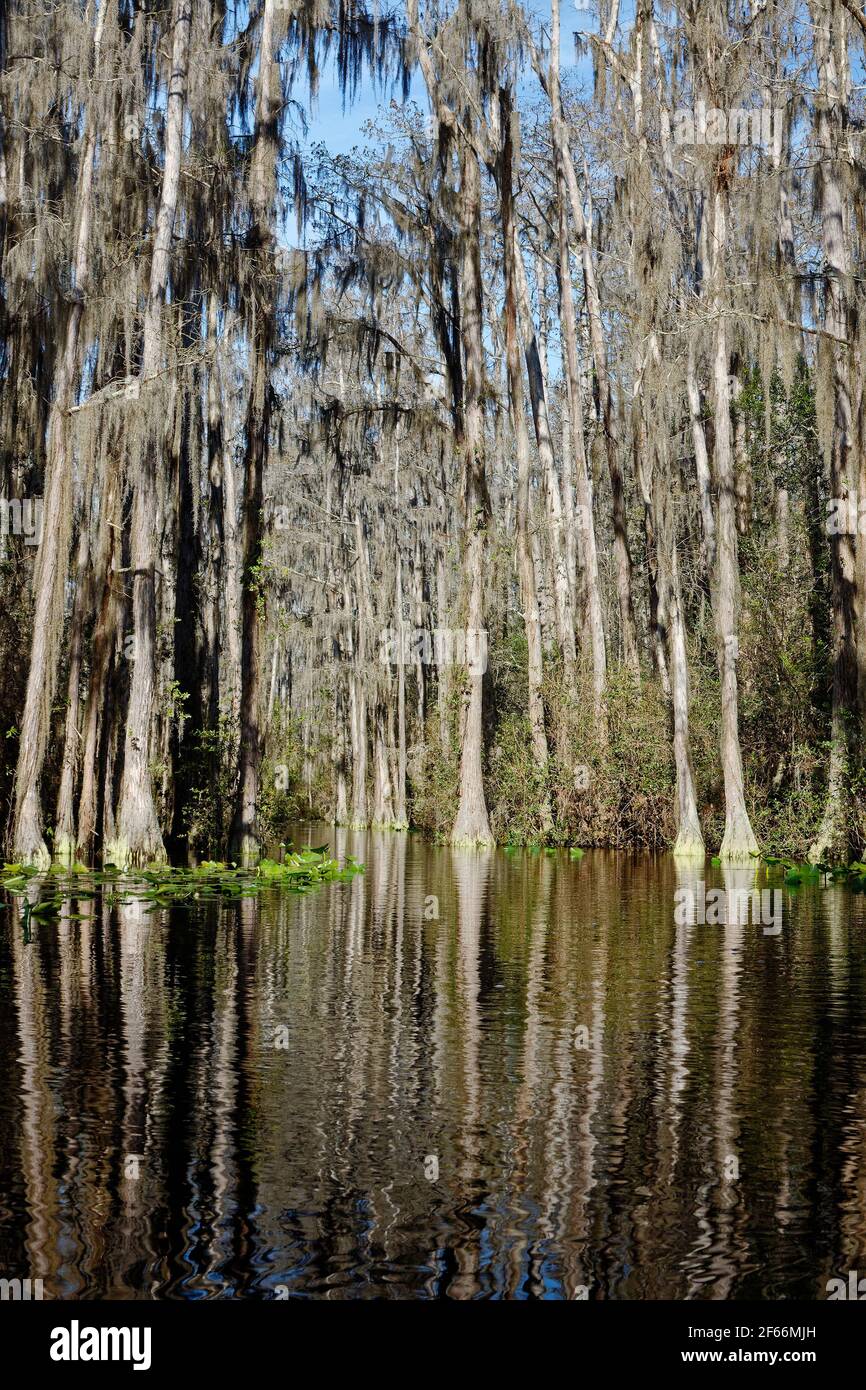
x=212 y=582
x=400 y=820
x=418 y=609
x=702 y=464
x=588 y=551
x=538 y=395
x=525 y=565
x=138 y=839
x=190 y=607
x=471 y=825
x=358 y=683
x=441 y=616
x=657 y=614
x=107 y=589
x=358 y=722
x=833 y=834
x=244 y=844
x=739 y=840
x=555 y=484
x=225 y=620
x=65 y=833
x=27 y=843
x=341 y=716
x=566 y=180
x=689 y=843
x=383 y=803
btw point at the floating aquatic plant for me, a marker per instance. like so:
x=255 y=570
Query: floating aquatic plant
x=161 y=885
x=854 y=875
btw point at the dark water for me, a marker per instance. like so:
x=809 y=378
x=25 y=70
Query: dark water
x=551 y=1087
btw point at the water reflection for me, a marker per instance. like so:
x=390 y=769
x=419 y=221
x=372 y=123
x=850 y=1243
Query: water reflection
x=470 y=1075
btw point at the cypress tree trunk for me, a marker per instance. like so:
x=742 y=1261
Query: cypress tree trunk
x=739 y=840
x=588 y=550
x=525 y=565
x=471 y=825
x=26 y=842
x=65 y=838
x=566 y=181
x=358 y=688
x=689 y=843
x=105 y=628
x=833 y=834
x=383 y=803
x=244 y=843
x=538 y=395
x=138 y=838
x=400 y=820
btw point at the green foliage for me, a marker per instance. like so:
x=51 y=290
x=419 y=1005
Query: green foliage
x=620 y=794
x=515 y=813
x=283 y=796
x=212 y=773
x=433 y=779
x=161 y=886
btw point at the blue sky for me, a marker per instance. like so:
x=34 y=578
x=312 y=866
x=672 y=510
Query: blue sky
x=340 y=130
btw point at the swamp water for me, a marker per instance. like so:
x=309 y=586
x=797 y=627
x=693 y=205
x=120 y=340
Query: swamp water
x=466 y=1075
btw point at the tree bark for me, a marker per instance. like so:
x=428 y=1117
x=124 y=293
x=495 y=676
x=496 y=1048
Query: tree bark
x=65 y=838
x=538 y=395
x=105 y=630
x=833 y=834
x=689 y=843
x=471 y=825
x=138 y=838
x=566 y=180
x=400 y=819
x=26 y=841
x=525 y=565
x=585 y=522
x=244 y=842
x=739 y=840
